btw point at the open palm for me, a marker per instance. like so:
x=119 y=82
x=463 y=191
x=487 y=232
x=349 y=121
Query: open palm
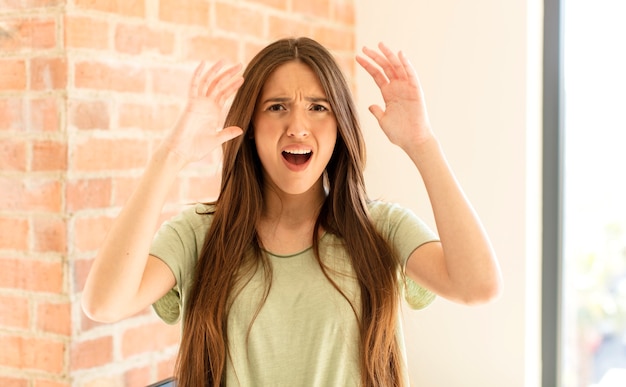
x=404 y=118
x=198 y=131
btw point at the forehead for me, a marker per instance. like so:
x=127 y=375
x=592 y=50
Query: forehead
x=292 y=77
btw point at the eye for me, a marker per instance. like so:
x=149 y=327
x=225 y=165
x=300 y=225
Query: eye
x=276 y=108
x=319 y=108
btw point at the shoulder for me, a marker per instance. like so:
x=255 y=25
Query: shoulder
x=381 y=207
x=383 y=212
x=197 y=216
x=189 y=226
x=399 y=225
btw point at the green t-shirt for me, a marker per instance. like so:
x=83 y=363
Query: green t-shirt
x=306 y=333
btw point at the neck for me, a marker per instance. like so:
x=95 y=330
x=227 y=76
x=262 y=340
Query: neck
x=285 y=209
x=287 y=222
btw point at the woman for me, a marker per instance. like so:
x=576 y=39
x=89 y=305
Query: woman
x=292 y=276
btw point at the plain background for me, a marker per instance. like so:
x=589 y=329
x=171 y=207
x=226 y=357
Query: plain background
x=480 y=66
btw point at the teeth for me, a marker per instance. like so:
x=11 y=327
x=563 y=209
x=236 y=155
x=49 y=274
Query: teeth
x=298 y=151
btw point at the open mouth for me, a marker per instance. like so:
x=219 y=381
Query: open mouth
x=297 y=157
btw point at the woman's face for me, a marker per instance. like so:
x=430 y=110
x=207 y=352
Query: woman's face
x=294 y=128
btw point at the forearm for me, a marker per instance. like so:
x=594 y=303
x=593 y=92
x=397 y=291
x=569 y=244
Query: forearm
x=117 y=271
x=469 y=259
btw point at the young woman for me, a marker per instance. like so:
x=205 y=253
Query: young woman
x=293 y=276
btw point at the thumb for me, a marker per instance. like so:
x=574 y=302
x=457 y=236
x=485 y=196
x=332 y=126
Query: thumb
x=229 y=133
x=377 y=111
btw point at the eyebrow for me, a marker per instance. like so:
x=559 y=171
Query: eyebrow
x=287 y=99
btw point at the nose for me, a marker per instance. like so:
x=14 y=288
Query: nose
x=298 y=125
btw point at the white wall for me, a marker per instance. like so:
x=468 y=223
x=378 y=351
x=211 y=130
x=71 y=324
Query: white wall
x=479 y=64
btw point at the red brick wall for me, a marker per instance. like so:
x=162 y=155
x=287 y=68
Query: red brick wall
x=87 y=89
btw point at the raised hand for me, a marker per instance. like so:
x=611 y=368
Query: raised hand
x=404 y=118
x=198 y=131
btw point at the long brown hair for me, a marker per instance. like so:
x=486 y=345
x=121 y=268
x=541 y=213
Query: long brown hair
x=232 y=244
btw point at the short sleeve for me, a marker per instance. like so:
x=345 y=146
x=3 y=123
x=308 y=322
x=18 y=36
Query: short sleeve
x=405 y=232
x=178 y=243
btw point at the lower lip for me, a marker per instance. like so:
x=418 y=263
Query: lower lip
x=296 y=167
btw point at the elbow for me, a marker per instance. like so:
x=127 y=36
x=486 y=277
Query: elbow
x=486 y=295
x=98 y=312
x=485 y=292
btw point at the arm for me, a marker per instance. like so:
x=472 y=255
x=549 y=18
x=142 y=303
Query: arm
x=463 y=267
x=124 y=279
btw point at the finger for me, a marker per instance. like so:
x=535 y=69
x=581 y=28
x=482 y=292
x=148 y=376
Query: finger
x=381 y=61
x=217 y=83
x=229 y=133
x=196 y=79
x=208 y=76
x=408 y=68
x=379 y=78
x=393 y=60
x=377 y=111
x=228 y=90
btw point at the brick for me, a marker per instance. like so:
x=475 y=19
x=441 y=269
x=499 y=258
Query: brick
x=91 y=353
x=27 y=4
x=137 y=377
x=90 y=232
x=343 y=11
x=134 y=115
x=51 y=383
x=50 y=234
x=11 y=113
x=13 y=382
x=112 y=76
x=30 y=194
x=250 y=49
x=285 y=26
x=86 y=323
x=28 y=34
x=80 y=270
x=87 y=115
x=149 y=337
x=37 y=276
x=48 y=73
x=151 y=117
x=14 y=312
x=14 y=233
x=135 y=8
x=88 y=194
x=334 y=38
x=170 y=81
x=42 y=33
x=239 y=19
x=44 y=114
x=164 y=117
x=104 y=381
x=49 y=156
x=13 y=154
x=212 y=48
x=86 y=32
x=278 y=4
x=54 y=318
x=12 y=74
x=32 y=353
x=347 y=64
x=319 y=8
x=165 y=368
x=105 y=154
x=136 y=39
x=184 y=11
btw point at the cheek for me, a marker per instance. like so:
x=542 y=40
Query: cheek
x=331 y=138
